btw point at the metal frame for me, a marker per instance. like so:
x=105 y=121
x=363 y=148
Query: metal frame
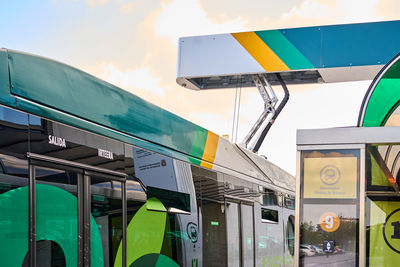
x=32 y=216
x=362 y=226
x=361 y=180
x=270 y=113
x=349 y=136
x=297 y=211
x=84 y=174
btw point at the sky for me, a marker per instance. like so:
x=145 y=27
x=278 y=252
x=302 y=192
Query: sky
x=133 y=44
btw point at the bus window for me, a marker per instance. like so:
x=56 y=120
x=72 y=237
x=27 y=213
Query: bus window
x=269 y=215
x=290 y=235
x=269 y=198
x=13 y=187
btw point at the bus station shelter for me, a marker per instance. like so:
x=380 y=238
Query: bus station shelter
x=347 y=194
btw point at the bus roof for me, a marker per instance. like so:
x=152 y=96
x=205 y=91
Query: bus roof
x=322 y=54
x=62 y=93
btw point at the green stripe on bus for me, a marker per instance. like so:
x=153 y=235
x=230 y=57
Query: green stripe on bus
x=199 y=142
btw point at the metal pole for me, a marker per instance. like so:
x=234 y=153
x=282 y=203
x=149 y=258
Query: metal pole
x=124 y=224
x=32 y=217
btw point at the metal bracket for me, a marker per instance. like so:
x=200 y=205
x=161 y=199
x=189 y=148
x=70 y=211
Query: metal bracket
x=270 y=100
x=269 y=114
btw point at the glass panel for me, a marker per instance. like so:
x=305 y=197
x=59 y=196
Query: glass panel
x=14 y=192
x=326 y=223
x=269 y=215
x=329 y=208
x=172 y=244
x=269 y=198
x=383 y=231
x=247 y=235
x=210 y=190
x=290 y=235
x=232 y=230
x=56 y=217
x=290 y=203
x=106 y=222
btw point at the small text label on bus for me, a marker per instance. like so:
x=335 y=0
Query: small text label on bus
x=57 y=141
x=105 y=154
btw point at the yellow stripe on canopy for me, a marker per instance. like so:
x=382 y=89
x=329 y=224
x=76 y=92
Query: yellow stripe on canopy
x=260 y=51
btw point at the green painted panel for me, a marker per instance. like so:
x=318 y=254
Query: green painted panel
x=384 y=99
x=145 y=234
x=164 y=261
x=55 y=221
x=5 y=96
x=378 y=177
x=77 y=93
x=155 y=204
x=154 y=260
x=149 y=260
x=285 y=50
x=199 y=142
x=58 y=221
x=14 y=212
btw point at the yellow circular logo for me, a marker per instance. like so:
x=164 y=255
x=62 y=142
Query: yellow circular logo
x=329 y=221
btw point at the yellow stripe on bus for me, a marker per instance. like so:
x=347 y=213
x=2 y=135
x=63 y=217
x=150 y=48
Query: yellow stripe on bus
x=210 y=150
x=260 y=51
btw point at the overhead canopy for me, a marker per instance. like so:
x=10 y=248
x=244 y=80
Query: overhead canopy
x=334 y=53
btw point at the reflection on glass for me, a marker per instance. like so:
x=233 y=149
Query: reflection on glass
x=13 y=210
x=323 y=223
x=247 y=235
x=106 y=200
x=56 y=217
x=383 y=231
x=290 y=235
x=232 y=230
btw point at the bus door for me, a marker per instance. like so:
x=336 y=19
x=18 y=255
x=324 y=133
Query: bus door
x=77 y=214
x=247 y=234
x=240 y=231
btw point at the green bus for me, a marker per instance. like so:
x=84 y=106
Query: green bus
x=91 y=175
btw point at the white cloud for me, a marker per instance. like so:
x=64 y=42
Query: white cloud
x=308 y=8
x=132 y=79
x=320 y=12
x=188 y=18
x=96 y=2
x=214 y=122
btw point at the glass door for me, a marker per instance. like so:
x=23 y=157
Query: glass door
x=233 y=234
x=57 y=215
x=77 y=216
x=247 y=231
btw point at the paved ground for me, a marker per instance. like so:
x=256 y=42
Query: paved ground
x=346 y=259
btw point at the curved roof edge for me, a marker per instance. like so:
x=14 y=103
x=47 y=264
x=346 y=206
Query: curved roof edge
x=381 y=98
